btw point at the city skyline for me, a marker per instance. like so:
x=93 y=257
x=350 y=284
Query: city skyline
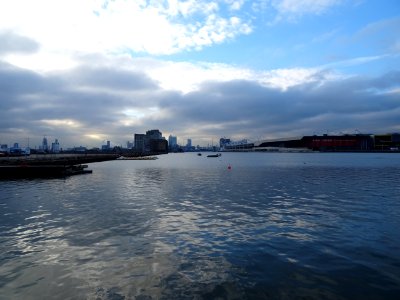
x=89 y=72
x=105 y=144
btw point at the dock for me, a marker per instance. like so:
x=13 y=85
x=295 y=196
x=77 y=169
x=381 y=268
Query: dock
x=137 y=158
x=50 y=165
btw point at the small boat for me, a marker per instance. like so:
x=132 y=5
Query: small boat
x=214 y=155
x=199 y=154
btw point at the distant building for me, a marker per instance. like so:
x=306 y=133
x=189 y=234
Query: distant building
x=45 y=146
x=229 y=145
x=79 y=149
x=172 y=141
x=189 y=146
x=107 y=146
x=129 y=145
x=17 y=150
x=55 y=147
x=224 y=141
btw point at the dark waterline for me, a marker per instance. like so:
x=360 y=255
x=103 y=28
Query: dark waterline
x=274 y=226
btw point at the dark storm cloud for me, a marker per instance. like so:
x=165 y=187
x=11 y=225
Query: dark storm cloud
x=247 y=108
x=15 y=81
x=11 y=43
x=116 y=79
x=96 y=98
x=92 y=97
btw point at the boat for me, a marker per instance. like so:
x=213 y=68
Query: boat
x=214 y=155
x=198 y=154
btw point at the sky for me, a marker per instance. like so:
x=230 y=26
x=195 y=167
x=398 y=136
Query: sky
x=85 y=72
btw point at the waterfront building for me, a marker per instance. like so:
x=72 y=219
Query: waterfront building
x=155 y=142
x=346 y=142
x=154 y=134
x=226 y=144
x=139 y=142
x=151 y=142
x=390 y=141
x=339 y=143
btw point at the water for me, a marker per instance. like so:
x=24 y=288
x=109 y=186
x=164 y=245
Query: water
x=274 y=226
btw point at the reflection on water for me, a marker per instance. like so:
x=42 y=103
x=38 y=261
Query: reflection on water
x=275 y=226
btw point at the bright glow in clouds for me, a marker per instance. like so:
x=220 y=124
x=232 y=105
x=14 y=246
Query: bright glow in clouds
x=63 y=123
x=96 y=136
x=187 y=77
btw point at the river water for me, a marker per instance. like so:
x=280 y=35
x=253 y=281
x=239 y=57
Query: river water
x=272 y=226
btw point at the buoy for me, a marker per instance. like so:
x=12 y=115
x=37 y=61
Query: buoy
x=229 y=167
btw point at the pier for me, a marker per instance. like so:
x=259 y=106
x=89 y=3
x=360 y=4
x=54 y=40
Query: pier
x=49 y=165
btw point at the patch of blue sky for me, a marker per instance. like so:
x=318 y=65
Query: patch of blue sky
x=345 y=32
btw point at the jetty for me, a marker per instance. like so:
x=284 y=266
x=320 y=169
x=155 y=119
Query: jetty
x=49 y=165
x=137 y=158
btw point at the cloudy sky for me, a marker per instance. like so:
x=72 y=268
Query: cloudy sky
x=89 y=71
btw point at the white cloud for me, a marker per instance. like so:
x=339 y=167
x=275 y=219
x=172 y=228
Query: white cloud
x=188 y=77
x=65 y=27
x=235 y=4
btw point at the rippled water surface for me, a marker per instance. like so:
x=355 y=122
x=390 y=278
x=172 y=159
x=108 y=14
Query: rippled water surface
x=274 y=226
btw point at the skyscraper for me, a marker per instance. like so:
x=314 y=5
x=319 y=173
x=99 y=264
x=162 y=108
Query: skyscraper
x=139 y=142
x=55 y=147
x=172 y=141
x=45 y=147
